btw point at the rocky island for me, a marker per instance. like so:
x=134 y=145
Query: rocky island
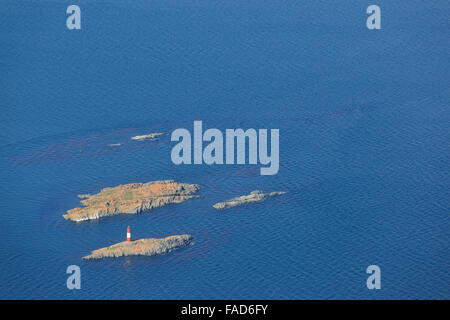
x=131 y=198
x=142 y=247
x=254 y=196
x=151 y=136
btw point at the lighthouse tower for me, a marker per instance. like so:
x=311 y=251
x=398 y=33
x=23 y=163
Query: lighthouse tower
x=128 y=234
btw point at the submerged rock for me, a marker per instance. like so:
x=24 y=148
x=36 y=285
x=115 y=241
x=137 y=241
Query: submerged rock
x=131 y=199
x=151 y=136
x=142 y=247
x=254 y=196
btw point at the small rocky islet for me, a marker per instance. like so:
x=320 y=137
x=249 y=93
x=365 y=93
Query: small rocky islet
x=150 y=136
x=142 y=247
x=131 y=198
x=254 y=196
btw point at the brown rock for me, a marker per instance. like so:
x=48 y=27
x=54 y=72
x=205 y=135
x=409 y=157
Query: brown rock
x=131 y=198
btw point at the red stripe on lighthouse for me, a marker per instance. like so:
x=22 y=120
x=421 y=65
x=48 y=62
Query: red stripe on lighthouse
x=128 y=234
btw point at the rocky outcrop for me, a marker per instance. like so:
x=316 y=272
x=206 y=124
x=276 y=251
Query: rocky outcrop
x=142 y=247
x=131 y=198
x=151 y=136
x=254 y=196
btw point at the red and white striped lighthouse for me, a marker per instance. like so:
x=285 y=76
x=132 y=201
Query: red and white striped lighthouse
x=128 y=234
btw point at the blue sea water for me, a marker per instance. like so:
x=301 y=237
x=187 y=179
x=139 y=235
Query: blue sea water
x=364 y=146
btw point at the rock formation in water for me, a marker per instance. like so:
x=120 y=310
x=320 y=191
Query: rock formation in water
x=151 y=136
x=131 y=199
x=142 y=247
x=254 y=196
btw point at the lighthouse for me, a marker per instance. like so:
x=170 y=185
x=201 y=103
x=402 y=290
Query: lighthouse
x=128 y=234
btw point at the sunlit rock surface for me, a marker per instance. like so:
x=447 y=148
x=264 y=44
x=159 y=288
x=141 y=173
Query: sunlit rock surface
x=151 y=136
x=131 y=199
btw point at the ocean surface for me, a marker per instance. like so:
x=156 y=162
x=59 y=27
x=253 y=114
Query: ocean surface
x=364 y=125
